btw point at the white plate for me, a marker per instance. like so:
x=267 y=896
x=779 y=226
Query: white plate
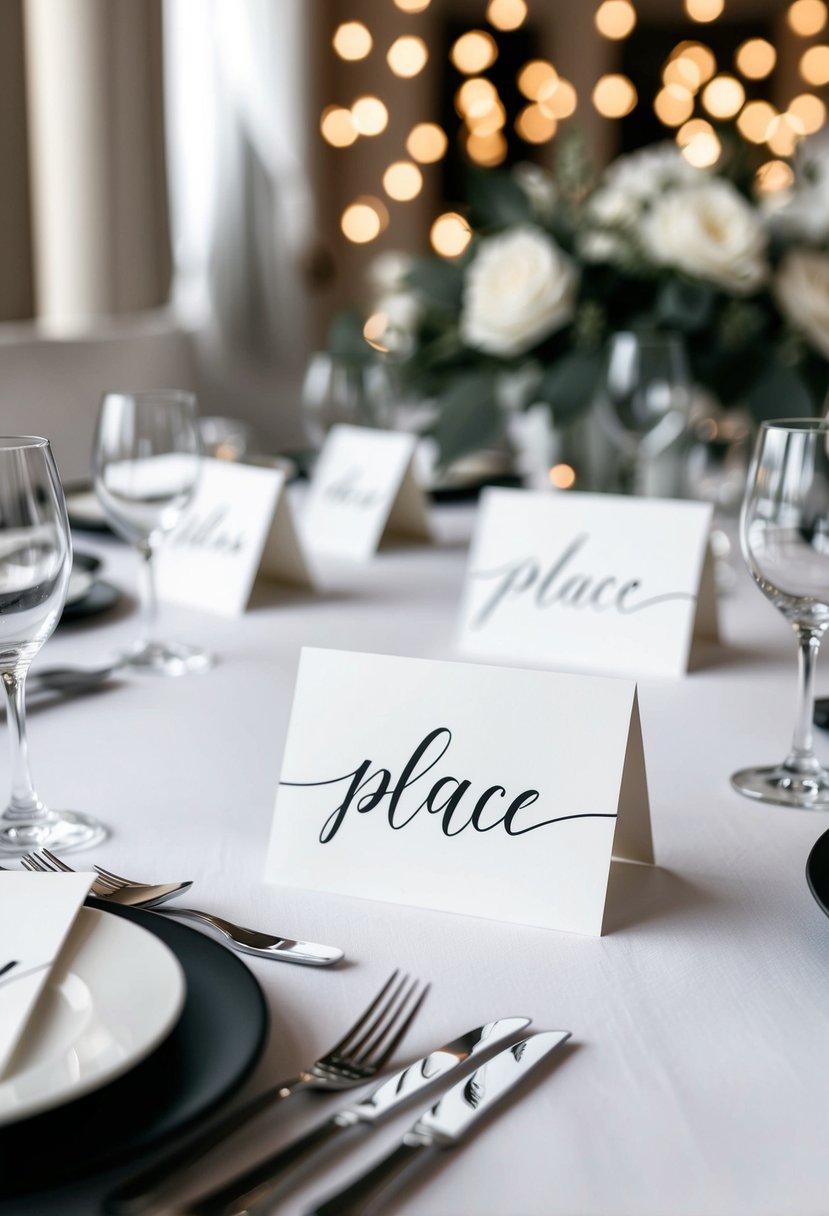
x=113 y=996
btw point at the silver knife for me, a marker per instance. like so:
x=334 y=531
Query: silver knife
x=447 y=1122
x=248 y=1188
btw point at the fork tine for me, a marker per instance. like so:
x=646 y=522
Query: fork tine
x=380 y=1020
x=372 y=1039
x=361 y=1020
x=115 y=878
x=28 y=864
x=32 y=862
x=109 y=883
x=391 y=1047
x=55 y=861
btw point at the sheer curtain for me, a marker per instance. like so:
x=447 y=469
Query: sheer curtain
x=241 y=202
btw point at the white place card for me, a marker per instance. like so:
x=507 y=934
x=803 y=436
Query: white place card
x=489 y=791
x=588 y=582
x=37 y=912
x=364 y=492
x=238 y=528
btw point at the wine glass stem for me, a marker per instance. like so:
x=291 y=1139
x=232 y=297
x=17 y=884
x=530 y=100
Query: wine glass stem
x=149 y=597
x=801 y=758
x=24 y=802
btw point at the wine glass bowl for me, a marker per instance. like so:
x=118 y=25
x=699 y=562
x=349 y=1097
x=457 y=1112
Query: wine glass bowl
x=35 y=563
x=146 y=465
x=784 y=535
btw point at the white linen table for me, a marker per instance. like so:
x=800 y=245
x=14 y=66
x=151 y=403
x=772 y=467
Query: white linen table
x=696 y=1084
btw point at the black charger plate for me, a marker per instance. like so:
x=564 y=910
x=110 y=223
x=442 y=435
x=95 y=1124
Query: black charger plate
x=817 y=871
x=215 y=1045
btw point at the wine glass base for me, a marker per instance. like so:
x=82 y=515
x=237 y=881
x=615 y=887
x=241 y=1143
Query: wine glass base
x=61 y=831
x=169 y=658
x=779 y=785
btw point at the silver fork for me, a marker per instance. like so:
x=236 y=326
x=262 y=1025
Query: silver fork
x=360 y=1055
x=148 y=895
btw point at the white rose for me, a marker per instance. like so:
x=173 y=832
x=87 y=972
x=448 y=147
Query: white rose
x=645 y=174
x=711 y=232
x=539 y=187
x=802 y=290
x=519 y=288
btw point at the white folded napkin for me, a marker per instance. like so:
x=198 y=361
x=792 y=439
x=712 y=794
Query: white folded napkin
x=36 y=913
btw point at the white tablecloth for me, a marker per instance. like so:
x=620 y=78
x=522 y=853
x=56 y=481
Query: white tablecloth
x=697 y=1079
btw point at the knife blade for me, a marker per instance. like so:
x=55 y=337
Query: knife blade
x=250 y=1187
x=447 y=1122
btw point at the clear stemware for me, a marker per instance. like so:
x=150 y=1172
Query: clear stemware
x=643 y=403
x=784 y=534
x=35 y=561
x=146 y=464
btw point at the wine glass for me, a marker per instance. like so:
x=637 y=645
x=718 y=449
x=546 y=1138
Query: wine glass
x=643 y=403
x=784 y=534
x=146 y=464
x=35 y=561
x=339 y=390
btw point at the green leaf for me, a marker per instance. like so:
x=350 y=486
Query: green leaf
x=441 y=282
x=569 y=384
x=468 y=418
x=345 y=338
x=779 y=392
x=496 y=200
x=685 y=305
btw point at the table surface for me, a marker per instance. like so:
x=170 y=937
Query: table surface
x=696 y=1080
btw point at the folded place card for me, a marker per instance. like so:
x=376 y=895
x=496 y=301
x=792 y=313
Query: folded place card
x=588 y=582
x=36 y=913
x=364 y=491
x=238 y=528
x=489 y=791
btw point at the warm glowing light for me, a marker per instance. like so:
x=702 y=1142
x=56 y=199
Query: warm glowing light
x=684 y=72
x=374 y=330
x=534 y=126
x=487 y=150
x=614 y=96
x=701 y=56
x=369 y=116
x=784 y=134
x=674 y=105
x=615 y=18
x=352 y=40
x=774 y=176
x=557 y=99
x=807 y=17
x=723 y=96
x=450 y=234
x=426 y=143
x=363 y=220
x=402 y=181
x=506 y=14
x=703 y=150
x=475 y=98
x=562 y=476
x=412 y=6
x=756 y=59
x=337 y=127
x=810 y=112
x=474 y=52
x=704 y=10
x=407 y=55
x=488 y=123
x=814 y=65
x=755 y=120
x=693 y=129
x=534 y=76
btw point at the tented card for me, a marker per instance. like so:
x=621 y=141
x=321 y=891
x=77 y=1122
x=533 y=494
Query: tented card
x=588 y=582
x=363 y=492
x=238 y=528
x=489 y=791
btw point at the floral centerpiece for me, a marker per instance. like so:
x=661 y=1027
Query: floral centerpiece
x=559 y=261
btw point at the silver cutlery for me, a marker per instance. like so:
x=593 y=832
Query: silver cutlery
x=446 y=1123
x=247 y=1189
x=72 y=679
x=119 y=890
x=360 y=1055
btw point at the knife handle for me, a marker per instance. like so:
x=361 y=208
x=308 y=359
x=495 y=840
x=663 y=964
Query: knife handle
x=141 y=1191
x=354 y=1199
x=248 y=1188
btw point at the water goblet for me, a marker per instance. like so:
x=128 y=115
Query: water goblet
x=784 y=535
x=146 y=464
x=643 y=403
x=35 y=561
